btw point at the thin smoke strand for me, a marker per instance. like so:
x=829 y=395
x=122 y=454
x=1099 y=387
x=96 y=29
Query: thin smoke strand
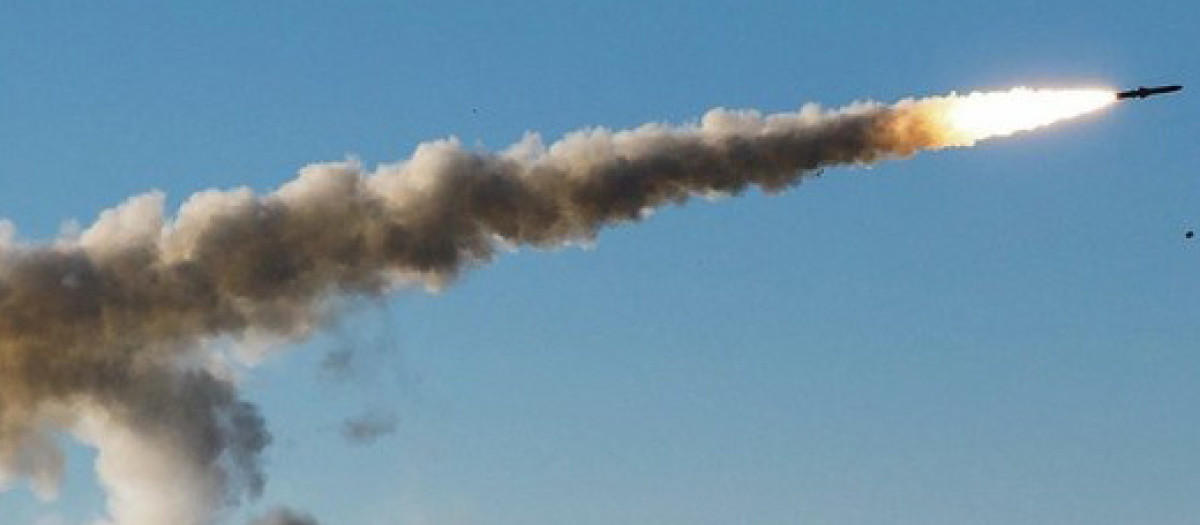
x=105 y=336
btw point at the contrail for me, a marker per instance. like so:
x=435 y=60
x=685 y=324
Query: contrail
x=109 y=336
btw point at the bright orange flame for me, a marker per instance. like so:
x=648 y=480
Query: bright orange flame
x=979 y=116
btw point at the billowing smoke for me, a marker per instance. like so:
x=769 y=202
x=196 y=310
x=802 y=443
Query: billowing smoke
x=111 y=336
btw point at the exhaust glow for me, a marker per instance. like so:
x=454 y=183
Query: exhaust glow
x=980 y=116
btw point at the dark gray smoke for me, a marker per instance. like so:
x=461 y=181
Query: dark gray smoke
x=338 y=364
x=369 y=427
x=120 y=336
x=282 y=516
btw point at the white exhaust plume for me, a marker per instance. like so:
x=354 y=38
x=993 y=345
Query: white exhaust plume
x=108 y=336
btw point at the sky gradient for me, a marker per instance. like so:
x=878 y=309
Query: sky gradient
x=1004 y=334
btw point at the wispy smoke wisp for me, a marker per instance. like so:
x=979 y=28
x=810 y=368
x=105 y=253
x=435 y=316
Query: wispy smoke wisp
x=369 y=427
x=283 y=516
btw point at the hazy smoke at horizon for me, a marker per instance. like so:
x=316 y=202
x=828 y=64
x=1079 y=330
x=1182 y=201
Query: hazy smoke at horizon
x=109 y=336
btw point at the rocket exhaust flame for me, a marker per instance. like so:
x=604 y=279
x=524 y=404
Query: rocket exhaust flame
x=981 y=116
x=107 y=336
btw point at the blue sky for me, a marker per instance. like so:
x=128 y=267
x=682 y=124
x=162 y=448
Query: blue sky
x=999 y=335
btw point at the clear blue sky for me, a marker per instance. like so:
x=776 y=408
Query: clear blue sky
x=1001 y=335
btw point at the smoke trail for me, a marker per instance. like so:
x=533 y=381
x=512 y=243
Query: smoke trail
x=107 y=336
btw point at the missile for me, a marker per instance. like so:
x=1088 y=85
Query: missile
x=1143 y=92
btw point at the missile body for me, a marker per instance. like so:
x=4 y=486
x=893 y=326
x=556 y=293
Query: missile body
x=1143 y=92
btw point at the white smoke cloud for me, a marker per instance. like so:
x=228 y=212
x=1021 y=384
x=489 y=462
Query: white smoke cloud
x=149 y=479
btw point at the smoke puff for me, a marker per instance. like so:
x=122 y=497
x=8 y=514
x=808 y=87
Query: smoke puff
x=337 y=364
x=369 y=427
